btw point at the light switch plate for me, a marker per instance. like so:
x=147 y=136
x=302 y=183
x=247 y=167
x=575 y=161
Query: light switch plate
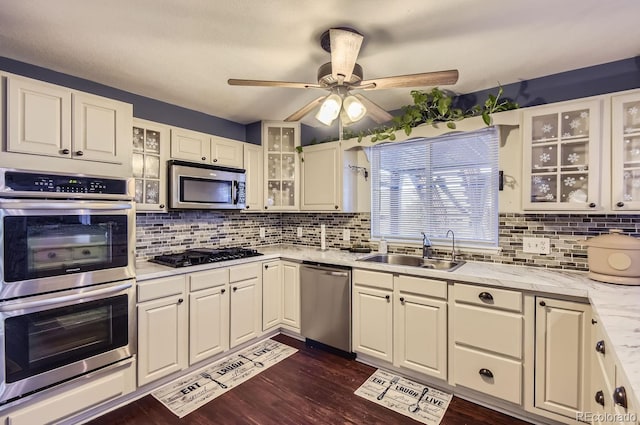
x=262 y=233
x=299 y=232
x=346 y=235
x=536 y=245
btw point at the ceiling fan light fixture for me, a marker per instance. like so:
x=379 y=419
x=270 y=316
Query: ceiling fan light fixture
x=330 y=109
x=354 y=108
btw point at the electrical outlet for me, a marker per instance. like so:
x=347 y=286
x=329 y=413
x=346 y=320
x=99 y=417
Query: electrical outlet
x=262 y=233
x=536 y=245
x=346 y=235
x=299 y=232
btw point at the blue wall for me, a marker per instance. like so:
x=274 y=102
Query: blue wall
x=143 y=107
x=595 y=80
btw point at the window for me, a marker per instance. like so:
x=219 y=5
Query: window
x=436 y=184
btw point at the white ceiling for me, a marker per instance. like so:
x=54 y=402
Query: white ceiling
x=183 y=51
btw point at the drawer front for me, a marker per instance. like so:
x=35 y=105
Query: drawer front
x=208 y=279
x=422 y=286
x=491 y=330
x=506 y=380
x=373 y=279
x=159 y=288
x=488 y=297
x=244 y=272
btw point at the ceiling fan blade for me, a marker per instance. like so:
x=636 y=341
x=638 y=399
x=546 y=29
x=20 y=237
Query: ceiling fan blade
x=413 y=80
x=345 y=46
x=264 y=83
x=300 y=113
x=376 y=113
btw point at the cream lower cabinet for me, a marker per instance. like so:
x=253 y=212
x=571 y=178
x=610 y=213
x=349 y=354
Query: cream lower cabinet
x=372 y=317
x=420 y=325
x=561 y=359
x=162 y=328
x=245 y=303
x=281 y=295
x=487 y=328
x=208 y=314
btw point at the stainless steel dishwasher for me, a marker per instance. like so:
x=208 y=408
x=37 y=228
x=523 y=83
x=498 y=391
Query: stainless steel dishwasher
x=325 y=296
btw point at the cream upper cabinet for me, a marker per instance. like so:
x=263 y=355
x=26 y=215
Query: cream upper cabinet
x=38 y=118
x=149 y=161
x=253 y=163
x=245 y=283
x=190 y=145
x=420 y=325
x=561 y=151
x=226 y=152
x=561 y=366
x=372 y=319
x=162 y=328
x=321 y=180
x=203 y=148
x=45 y=120
x=625 y=155
x=281 y=165
x=101 y=128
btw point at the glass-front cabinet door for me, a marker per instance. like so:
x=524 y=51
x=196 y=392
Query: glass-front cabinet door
x=150 y=145
x=281 y=165
x=625 y=139
x=561 y=152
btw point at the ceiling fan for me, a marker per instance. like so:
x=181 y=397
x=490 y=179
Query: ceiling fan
x=342 y=75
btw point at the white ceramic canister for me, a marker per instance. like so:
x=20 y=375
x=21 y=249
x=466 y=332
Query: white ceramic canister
x=614 y=258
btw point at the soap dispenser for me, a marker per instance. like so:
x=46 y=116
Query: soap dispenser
x=382 y=246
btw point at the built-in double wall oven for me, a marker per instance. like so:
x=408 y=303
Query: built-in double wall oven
x=67 y=284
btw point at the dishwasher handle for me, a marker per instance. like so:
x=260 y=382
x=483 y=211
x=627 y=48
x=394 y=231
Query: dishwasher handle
x=331 y=271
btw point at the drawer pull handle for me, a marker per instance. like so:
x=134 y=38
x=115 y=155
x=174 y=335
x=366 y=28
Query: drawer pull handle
x=543 y=304
x=600 y=347
x=620 y=397
x=387 y=297
x=486 y=373
x=180 y=300
x=600 y=398
x=485 y=296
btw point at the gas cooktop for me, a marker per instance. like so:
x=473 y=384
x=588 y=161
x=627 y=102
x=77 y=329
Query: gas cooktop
x=194 y=257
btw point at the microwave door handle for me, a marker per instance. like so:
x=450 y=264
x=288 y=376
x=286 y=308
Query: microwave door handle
x=235 y=193
x=64 y=299
x=64 y=205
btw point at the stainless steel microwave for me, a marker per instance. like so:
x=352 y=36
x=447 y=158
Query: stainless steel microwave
x=202 y=186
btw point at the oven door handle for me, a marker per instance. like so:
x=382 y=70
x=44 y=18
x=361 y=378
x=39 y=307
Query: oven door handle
x=64 y=205
x=64 y=299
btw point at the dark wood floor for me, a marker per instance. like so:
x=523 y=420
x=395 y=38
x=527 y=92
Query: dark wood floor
x=310 y=387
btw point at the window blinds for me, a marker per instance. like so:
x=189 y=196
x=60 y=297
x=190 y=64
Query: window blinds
x=436 y=184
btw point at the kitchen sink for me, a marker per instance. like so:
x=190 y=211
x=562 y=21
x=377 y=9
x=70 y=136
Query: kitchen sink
x=413 y=261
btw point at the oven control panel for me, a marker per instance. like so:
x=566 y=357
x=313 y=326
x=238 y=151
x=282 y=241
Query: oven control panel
x=19 y=181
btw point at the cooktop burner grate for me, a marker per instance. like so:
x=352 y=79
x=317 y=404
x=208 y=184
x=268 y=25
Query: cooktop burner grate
x=202 y=256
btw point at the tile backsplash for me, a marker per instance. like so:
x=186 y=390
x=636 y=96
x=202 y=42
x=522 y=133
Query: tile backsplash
x=176 y=231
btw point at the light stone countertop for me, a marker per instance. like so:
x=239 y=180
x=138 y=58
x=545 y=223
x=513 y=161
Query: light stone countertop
x=617 y=306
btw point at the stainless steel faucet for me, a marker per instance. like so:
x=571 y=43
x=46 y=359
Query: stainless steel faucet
x=426 y=246
x=453 y=244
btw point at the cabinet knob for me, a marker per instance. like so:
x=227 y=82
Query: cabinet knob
x=266 y=266
x=235 y=288
x=402 y=300
x=86 y=252
x=79 y=153
x=65 y=151
x=600 y=398
x=336 y=207
x=600 y=347
x=222 y=291
x=247 y=207
x=51 y=255
x=486 y=373
x=592 y=205
x=620 y=204
x=594 y=321
x=204 y=158
x=620 y=397
x=161 y=205
x=388 y=298
x=180 y=300
x=485 y=296
x=215 y=159
x=265 y=207
x=542 y=304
